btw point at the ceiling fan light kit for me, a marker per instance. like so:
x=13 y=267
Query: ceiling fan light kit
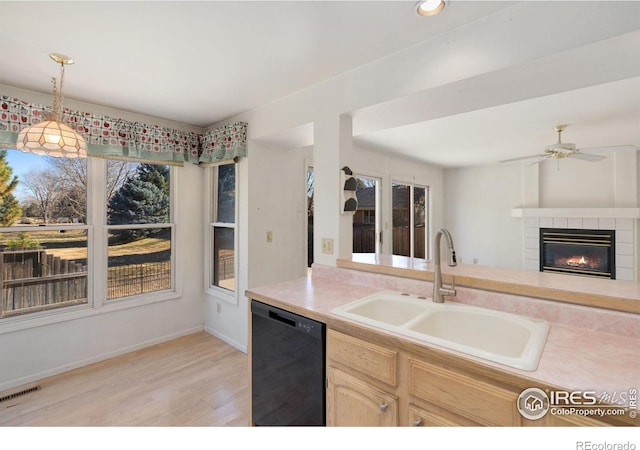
x=561 y=150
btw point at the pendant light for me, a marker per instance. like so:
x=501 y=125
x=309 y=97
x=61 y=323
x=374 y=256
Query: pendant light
x=52 y=137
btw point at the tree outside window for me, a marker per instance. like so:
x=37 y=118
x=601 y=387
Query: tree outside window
x=139 y=249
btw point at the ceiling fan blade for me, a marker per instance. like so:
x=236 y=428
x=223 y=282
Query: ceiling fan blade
x=613 y=148
x=543 y=155
x=586 y=156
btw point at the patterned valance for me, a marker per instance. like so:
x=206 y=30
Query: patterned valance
x=118 y=138
x=224 y=143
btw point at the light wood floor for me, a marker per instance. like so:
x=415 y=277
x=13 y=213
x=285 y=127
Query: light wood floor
x=195 y=380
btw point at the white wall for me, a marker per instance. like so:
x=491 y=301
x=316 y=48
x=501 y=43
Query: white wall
x=478 y=204
x=478 y=200
x=277 y=204
x=575 y=183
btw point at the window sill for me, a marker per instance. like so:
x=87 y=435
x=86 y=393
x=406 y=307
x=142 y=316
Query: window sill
x=27 y=321
x=222 y=294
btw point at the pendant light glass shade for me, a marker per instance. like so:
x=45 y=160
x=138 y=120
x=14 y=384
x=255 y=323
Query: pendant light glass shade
x=52 y=137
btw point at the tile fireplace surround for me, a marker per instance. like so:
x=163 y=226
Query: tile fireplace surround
x=622 y=220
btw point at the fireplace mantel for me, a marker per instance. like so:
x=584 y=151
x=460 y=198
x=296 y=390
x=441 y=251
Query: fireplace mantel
x=614 y=213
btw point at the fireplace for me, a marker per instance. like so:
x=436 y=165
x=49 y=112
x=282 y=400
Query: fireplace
x=578 y=252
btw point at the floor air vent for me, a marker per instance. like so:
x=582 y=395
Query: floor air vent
x=19 y=393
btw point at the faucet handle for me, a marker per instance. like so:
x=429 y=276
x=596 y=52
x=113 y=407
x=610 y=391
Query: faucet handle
x=451 y=290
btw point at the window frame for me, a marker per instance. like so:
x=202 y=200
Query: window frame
x=173 y=291
x=211 y=186
x=427 y=227
x=96 y=229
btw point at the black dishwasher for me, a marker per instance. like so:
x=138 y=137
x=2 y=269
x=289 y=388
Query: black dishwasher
x=287 y=368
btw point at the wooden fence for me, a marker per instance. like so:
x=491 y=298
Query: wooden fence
x=33 y=280
x=134 y=279
x=364 y=241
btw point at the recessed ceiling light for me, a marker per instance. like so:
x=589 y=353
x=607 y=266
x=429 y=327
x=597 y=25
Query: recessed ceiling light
x=430 y=7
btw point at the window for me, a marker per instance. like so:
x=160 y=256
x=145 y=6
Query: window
x=223 y=227
x=410 y=219
x=139 y=229
x=43 y=234
x=49 y=231
x=369 y=217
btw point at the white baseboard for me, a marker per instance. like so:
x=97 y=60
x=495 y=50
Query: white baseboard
x=227 y=339
x=94 y=359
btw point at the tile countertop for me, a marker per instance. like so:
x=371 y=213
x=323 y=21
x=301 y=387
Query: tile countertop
x=574 y=358
x=602 y=293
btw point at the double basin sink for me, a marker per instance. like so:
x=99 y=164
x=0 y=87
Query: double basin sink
x=505 y=338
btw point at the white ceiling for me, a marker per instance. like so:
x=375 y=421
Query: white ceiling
x=201 y=62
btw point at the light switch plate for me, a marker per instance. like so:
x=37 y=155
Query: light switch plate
x=327 y=246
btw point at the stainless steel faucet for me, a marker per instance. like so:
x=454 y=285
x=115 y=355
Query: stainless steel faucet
x=440 y=290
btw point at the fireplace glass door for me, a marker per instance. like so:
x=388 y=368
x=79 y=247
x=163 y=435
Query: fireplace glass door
x=578 y=252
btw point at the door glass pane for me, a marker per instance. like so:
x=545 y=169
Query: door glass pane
x=400 y=201
x=364 y=220
x=419 y=221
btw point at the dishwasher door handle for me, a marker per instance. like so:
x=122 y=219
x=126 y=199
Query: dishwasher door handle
x=301 y=324
x=282 y=319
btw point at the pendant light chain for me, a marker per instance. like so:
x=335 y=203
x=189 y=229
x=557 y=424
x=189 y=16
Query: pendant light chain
x=57 y=95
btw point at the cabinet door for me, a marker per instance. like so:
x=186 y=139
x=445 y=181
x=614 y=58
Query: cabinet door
x=352 y=402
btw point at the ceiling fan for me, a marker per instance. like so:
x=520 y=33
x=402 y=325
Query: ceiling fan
x=561 y=150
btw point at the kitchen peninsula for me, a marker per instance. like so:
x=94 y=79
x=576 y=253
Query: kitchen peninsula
x=588 y=348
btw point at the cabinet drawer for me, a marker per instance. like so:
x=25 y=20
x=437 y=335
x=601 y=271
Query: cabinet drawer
x=370 y=359
x=479 y=401
x=434 y=417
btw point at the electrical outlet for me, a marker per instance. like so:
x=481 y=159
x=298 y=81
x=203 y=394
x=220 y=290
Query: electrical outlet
x=269 y=236
x=327 y=246
x=218 y=307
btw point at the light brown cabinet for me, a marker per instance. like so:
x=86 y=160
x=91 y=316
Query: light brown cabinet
x=369 y=384
x=360 y=379
x=354 y=402
x=481 y=402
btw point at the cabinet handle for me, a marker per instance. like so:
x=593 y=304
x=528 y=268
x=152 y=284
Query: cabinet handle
x=383 y=407
x=417 y=422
